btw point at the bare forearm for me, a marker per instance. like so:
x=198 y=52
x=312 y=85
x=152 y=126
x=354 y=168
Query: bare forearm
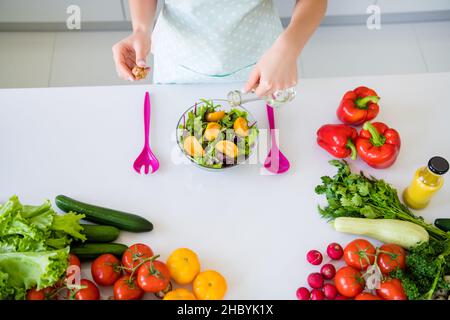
x=142 y=14
x=305 y=19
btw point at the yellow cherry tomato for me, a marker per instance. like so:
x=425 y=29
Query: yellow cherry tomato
x=210 y=285
x=183 y=265
x=240 y=126
x=179 y=294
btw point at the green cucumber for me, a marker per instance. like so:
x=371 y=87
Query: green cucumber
x=122 y=220
x=95 y=233
x=90 y=251
x=443 y=224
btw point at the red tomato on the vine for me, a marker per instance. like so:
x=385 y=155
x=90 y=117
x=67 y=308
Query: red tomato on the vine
x=74 y=261
x=127 y=288
x=392 y=289
x=88 y=291
x=359 y=254
x=349 y=282
x=135 y=255
x=106 y=269
x=43 y=294
x=367 y=296
x=153 y=276
x=391 y=257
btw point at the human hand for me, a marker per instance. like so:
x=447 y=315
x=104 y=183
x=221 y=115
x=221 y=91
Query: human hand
x=129 y=52
x=276 y=70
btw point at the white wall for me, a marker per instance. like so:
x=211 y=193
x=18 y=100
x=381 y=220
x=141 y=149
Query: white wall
x=413 y=5
x=358 y=7
x=111 y=10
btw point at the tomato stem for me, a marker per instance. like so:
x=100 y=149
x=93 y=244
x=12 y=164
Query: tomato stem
x=151 y=259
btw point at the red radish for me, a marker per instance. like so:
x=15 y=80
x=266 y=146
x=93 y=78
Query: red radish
x=328 y=271
x=303 y=293
x=315 y=280
x=317 y=294
x=335 y=251
x=339 y=297
x=314 y=257
x=329 y=291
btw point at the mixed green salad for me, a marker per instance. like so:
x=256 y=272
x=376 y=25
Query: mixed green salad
x=215 y=138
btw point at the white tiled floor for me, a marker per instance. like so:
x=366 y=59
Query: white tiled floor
x=84 y=58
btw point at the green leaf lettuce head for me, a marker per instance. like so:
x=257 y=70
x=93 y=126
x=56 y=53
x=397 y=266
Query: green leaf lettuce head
x=36 y=228
x=20 y=271
x=34 y=246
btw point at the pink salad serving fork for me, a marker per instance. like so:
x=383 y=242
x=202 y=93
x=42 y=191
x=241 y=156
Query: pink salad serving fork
x=275 y=162
x=146 y=159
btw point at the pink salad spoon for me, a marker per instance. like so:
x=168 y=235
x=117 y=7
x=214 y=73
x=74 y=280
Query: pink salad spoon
x=146 y=159
x=275 y=162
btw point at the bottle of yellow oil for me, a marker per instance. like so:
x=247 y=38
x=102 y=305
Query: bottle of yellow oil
x=427 y=181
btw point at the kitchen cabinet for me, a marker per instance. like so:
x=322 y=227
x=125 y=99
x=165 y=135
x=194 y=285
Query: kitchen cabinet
x=24 y=11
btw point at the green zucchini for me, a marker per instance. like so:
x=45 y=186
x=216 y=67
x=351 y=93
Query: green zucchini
x=90 y=251
x=443 y=224
x=96 y=233
x=405 y=234
x=122 y=220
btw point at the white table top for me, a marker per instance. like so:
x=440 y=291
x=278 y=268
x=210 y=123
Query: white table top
x=253 y=228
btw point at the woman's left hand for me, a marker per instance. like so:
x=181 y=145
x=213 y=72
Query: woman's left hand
x=276 y=70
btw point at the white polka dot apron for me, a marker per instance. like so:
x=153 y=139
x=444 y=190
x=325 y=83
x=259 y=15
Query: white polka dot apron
x=197 y=41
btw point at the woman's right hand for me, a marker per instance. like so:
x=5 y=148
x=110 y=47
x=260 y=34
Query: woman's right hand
x=131 y=51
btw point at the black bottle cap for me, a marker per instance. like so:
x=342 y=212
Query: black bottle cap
x=438 y=165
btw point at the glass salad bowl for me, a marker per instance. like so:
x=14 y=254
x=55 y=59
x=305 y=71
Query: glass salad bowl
x=216 y=136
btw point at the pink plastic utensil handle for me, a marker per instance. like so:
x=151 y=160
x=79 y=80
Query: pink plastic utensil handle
x=271 y=119
x=147 y=108
x=276 y=162
x=146 y=158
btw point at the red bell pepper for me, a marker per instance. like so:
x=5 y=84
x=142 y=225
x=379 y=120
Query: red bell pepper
x=378 y=145
x=358 y=106
x=338 y=140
